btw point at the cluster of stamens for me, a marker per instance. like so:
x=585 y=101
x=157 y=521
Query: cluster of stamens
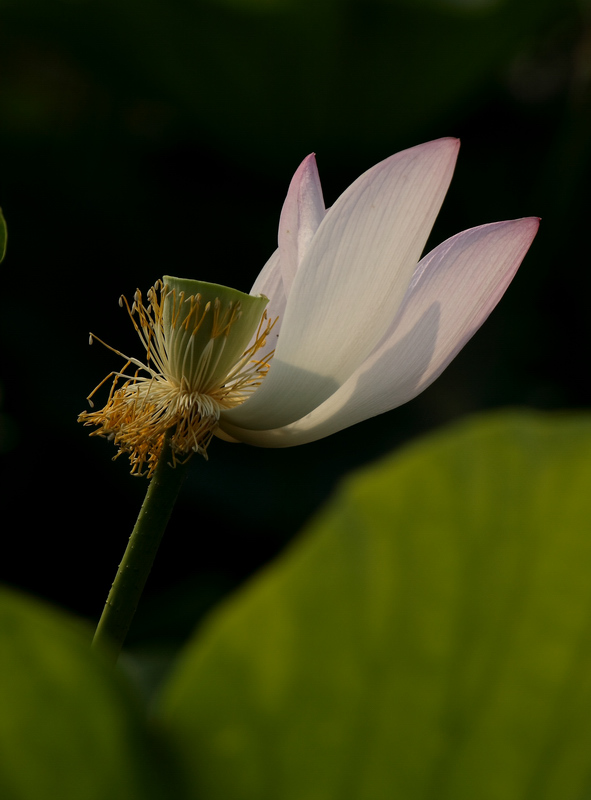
x=176 y=392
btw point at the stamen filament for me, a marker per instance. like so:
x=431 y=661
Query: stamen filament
x=182 y=387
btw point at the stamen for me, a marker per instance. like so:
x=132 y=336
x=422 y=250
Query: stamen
x=179 y=391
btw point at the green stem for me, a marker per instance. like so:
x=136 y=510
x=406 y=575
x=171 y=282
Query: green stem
x=139 y=556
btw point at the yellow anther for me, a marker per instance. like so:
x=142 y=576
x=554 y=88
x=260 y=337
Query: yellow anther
x=179 y=388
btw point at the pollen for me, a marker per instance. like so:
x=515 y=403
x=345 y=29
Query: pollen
x=203 y=354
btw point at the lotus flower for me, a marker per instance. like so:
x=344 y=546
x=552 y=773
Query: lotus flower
x=355 y=325
x=363 y=325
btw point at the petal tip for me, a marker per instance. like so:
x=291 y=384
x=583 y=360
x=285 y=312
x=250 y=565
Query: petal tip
x=446 y=149
x=309 y=160
x=307 y=171
x=448 y=141
x=531 y=222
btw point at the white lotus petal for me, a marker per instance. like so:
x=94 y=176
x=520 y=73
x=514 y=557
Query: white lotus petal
x=270 y=283
x=351 y=282
x=269 y=280
x=454 y=289
x=302 y=213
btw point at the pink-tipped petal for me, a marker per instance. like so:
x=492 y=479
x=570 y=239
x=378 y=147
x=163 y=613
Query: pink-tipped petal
x=454 y=289
x=302 y=213
x=351 y=282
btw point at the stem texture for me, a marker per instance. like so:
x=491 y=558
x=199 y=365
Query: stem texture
x=139 y=556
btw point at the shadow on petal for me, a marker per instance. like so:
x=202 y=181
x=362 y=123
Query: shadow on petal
x=280 y=400
x=391 y=374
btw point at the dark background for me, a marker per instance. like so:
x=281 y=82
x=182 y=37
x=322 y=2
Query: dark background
x=139 y=138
